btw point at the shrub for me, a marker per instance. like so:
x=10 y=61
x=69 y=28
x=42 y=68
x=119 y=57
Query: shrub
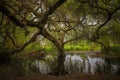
x=114 y=50
x=3 y=49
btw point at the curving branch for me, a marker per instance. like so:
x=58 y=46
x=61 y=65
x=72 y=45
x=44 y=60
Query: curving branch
x=20 y=23
x=74 y=39
x=96 y=5
x=13 y=18
x=108 y=19
x=32 y=39
x=108 y=4
x=9 y=36
x=51 y=11
x=39 y=25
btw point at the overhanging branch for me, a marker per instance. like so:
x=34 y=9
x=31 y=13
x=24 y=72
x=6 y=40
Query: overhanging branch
x=39 y=25
x=108 y=19
x=74 y=39
x=32 y=39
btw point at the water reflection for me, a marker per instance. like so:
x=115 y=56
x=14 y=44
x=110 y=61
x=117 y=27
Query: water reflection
x=43 y=67
x=77 y=64
x=73 y=64
x=23 y=66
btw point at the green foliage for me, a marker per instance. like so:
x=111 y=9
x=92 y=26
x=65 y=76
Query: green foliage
x=114 y=50
x=104 y=51
x=3 y=49
x=48 y=48
x=82 y=45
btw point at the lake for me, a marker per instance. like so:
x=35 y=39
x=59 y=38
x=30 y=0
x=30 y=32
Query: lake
x=74 y=63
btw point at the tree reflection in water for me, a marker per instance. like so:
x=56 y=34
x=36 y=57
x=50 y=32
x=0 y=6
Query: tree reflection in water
x=73 y=64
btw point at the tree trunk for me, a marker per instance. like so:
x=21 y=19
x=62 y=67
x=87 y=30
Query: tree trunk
x=60 y=68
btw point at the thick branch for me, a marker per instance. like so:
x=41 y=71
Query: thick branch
x=32 y=39
x=5 y=11
x=13 y=41
x=105 y=47
x=50 y=37
x=52 y=10
x=44 y=20
x=15 y=20
x=41 y=24
x=97 y=6
x=13 y=17
x=108 y=19
x=74 y=39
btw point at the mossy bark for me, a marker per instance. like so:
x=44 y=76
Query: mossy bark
x=60 y=68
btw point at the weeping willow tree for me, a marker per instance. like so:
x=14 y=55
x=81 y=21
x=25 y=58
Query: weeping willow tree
x=60 y=22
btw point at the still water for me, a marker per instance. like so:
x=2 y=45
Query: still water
x=73 y=64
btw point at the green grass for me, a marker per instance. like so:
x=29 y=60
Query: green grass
x=79 y=47
x=50 y=49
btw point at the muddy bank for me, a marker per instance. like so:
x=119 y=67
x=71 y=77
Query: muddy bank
x=6 y=74
x=94 y=53
x=66 y=77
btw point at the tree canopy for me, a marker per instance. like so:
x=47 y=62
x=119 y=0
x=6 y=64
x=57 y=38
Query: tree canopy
x=60 y=22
